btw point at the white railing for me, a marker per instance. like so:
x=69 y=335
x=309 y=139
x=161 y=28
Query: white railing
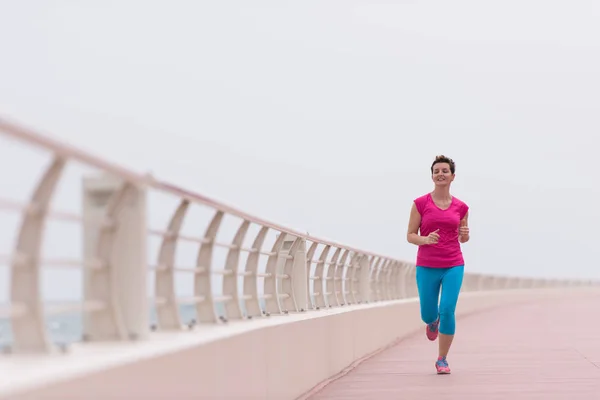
x=132 y=272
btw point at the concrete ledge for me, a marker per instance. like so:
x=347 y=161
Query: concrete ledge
x=278 y=358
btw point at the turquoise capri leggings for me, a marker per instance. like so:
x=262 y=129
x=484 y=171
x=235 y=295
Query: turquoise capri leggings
x=429 y=281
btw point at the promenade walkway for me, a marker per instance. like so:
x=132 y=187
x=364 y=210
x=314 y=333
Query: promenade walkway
x=546 y=350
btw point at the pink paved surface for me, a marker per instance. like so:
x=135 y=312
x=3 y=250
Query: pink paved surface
x=533 y=351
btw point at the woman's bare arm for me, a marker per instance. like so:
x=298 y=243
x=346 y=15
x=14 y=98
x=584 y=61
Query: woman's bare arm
x=412 y=235
x=463 y=230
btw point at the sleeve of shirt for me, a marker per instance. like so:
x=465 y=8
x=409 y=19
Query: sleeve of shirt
x=420 y=203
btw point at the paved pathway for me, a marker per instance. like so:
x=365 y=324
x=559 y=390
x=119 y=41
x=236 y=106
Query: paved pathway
x=535 y=351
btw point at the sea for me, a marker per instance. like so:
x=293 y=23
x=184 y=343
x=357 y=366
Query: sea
x=67 y=329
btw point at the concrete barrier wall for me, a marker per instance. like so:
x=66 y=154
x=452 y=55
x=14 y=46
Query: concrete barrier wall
x=280 y=358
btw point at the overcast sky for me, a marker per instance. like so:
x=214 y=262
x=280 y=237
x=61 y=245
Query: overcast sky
x=325 y=115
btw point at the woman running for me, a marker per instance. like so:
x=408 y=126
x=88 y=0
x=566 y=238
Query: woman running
x=438 y=224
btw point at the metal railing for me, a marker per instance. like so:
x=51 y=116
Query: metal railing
x=131 y=273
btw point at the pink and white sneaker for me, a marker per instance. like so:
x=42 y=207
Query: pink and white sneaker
x=431 y=330
x=442 y=366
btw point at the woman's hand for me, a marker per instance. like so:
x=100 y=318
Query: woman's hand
x=432 y=238
x=463 y=231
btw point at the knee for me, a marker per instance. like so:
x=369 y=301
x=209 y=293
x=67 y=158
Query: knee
x=447 y=322
x=447 y=311
x=429 y=315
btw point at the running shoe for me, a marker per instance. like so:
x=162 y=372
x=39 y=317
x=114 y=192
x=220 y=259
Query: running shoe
x=442 y=366
x=432 y=330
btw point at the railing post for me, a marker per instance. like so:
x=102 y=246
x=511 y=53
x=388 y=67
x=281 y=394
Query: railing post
x=119 y=246
x=292 y=265
x=329 y=278
x=273 y=269
x=299 y=278
x=364 y=276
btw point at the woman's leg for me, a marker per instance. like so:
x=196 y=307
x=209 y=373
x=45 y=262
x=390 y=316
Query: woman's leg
x=428 y=285
x=451 y=284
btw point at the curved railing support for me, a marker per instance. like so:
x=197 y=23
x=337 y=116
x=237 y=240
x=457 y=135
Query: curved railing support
x=205 y=307
x=310 y=278
x=411 y=282
x=28 y=325
x=390 y=282
x=400 y=280
x=338 y=280
x=382 y=280
x=167 y=307
x=354 y=286
x=233 y=306
x=319 y=276
x=375 y=261
x=363 y=279
x=250 y=286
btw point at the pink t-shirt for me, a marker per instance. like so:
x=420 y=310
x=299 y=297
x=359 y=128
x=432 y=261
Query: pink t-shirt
x=447 y=252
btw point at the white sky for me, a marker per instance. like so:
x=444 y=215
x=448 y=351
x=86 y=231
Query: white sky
x=325 y=115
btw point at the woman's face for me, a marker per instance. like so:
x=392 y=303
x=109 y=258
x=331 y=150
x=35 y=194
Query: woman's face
x=442 y=176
